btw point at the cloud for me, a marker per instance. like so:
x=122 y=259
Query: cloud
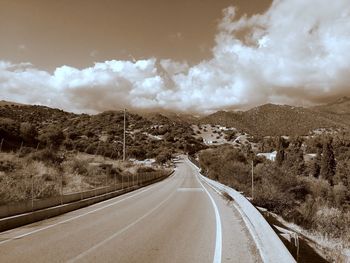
x=296 y=52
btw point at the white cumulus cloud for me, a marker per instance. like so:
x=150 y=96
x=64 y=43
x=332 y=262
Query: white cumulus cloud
x=296 y=51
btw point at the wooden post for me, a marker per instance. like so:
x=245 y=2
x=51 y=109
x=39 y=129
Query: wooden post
x=106 y=183
x=37 y=147
x=98 y=146
x=2 y=141
x=62 y=189
x=32 y=193
x=20 y=148
x=115 y=182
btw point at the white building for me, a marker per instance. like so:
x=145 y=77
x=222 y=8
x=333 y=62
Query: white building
x=269 y=156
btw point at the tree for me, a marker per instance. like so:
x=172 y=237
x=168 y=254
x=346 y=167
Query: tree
x=328 y=164
x=52 y=137
x=163 y=156
x=295 y=157
x=316 y=164
x=280 y=156
x=28 y=132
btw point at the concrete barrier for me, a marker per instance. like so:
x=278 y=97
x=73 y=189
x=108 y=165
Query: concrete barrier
x=73 y=202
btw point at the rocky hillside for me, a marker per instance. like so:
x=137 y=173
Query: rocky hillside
x=340 y=107
x=275 y=120
x=146 y=137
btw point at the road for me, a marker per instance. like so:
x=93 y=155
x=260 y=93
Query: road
x=180 y=219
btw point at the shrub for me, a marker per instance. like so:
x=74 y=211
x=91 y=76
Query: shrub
x=28 y=132
x=47 y=156
x=52 y=136
x=163 y=156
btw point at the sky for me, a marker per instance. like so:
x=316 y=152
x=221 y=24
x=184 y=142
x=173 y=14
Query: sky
x=194 y=56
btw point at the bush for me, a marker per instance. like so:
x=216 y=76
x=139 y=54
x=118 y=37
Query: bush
x=163 y=156
x=28 y=132
x=52 y=137
x=47 y=156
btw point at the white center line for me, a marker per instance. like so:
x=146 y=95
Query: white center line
x=85 y=253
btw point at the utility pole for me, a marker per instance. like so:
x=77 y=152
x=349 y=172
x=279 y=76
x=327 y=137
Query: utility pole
x=252 y=179
x=124 y=135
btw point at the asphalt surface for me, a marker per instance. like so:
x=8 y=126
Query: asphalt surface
x=180 y=219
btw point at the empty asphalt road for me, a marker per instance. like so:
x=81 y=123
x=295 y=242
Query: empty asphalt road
x=180 y=219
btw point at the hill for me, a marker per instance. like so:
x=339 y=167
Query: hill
x=101 y=133
x=276 y=120
x=340 y=106
x=8 y=103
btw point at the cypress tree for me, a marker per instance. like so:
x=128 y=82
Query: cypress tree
x=280 y=151
x=328 y=164
x=316 y=164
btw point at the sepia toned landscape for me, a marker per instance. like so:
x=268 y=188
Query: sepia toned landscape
x=128 y=134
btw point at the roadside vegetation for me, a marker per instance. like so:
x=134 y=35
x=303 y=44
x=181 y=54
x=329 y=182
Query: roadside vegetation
x=60 y=152
x=312 y=193
x=44 y=173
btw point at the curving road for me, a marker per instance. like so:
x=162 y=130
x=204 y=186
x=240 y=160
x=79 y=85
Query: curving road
x=180 y=219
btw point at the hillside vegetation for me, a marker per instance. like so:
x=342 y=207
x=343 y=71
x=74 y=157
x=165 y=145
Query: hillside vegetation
x=340 y=106
x=146 y=137
x=311 y=192
x=278 y=120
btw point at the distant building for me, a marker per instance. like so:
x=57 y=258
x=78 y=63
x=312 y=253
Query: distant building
x=309 y=157
x=270 y=156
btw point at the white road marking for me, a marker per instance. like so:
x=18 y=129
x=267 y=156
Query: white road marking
x=85 y=253
x=218 y=242
x=76 y=217
x=190 y=189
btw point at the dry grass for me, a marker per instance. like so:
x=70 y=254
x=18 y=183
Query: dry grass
x=77 y=172
x=21 y=178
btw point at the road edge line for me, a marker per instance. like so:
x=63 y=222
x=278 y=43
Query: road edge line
x=218 y=235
